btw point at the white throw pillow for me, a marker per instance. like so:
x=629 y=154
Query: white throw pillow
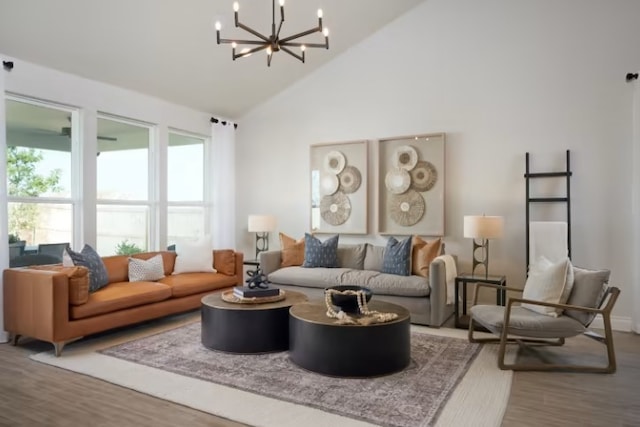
x=66 y=259
x=548 y=282
x=194 y=257
x=146 y=270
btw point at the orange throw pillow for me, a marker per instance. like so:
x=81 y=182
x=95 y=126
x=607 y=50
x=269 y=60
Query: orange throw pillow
x=422 y=254
x=292 y=251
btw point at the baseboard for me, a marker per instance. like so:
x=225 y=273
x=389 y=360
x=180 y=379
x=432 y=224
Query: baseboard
x=618 y=323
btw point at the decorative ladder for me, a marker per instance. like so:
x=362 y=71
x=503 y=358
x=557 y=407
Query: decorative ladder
x=564 y=174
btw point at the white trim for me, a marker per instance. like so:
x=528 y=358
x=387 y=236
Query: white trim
x=618 y=323
x=4 y=213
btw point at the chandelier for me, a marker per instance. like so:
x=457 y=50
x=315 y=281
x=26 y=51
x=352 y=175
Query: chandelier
x=273 y=43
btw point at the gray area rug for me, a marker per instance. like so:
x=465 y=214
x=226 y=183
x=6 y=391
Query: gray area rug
x=413 y=397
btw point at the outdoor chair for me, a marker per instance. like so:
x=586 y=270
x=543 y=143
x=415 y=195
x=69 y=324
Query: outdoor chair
x=55 y=249
x=36 y=259
x=516 y=324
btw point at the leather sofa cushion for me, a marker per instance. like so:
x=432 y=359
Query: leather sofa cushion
x=224 y=261
x=379 y=283
x=119 y=296
x=184 y=284
x=118 y=265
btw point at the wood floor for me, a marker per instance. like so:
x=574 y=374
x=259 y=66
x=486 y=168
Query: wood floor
x=34 y=394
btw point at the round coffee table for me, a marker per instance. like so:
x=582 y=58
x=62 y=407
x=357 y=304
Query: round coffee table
x=247 y=328
x=317 y=343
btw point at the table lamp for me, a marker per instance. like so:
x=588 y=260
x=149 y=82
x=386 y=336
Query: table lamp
x=261 y=225
x=482 y=228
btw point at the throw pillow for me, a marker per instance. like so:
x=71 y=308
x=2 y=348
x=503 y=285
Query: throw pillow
x=320 y=254
x=374 y=255
x=589 y=287
x=548 y=282
x=422 y=254
x=146 y=270
x=194 y=257
x=397 y=257
x=89 y=258
x=291 y=250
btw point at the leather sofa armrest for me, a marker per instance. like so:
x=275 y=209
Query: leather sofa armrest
x=36 y=303
x=239 y=268
x=270 y=261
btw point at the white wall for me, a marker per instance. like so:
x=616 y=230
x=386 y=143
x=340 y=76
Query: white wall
x=501 y=78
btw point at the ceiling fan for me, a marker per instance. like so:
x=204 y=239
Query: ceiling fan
x=66 y=131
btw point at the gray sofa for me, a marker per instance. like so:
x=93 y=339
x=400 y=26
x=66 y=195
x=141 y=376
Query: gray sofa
x=360 y=265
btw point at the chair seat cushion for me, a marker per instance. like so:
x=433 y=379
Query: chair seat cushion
x=526 y=323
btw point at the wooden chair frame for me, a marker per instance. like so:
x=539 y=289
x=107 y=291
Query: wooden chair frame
x=605 y=308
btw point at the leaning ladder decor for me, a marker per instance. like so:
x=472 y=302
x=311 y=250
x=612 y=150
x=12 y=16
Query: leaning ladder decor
x=567 y=199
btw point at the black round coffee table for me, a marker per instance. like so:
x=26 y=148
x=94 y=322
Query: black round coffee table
x=317 y=343
x=247 y=328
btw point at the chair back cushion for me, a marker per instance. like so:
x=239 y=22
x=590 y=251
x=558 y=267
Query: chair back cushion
x=589 y=286
x=548 y=282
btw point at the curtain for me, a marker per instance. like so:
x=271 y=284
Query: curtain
x=635 y=315
x=4 y=218
x=223 y=179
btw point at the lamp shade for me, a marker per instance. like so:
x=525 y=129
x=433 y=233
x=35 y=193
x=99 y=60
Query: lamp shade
x=483 y=227
x=261 y=223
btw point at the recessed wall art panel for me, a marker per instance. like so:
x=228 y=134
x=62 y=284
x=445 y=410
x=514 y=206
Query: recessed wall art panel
x=410 y=185
x=339 y=188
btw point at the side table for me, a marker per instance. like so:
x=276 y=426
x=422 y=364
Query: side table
x=462 y=320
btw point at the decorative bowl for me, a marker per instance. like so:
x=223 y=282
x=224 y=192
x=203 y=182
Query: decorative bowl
x=348 y=302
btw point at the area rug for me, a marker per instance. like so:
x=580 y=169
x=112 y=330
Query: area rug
x=448 y=382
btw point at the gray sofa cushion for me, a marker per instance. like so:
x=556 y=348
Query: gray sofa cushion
x=373 y=257
x=352 y=256
x=379 y=283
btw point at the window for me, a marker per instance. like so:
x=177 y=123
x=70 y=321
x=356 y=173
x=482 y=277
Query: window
x=123 y=203
x=186 y=182
x=39 y=159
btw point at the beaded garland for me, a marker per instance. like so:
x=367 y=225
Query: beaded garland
x=369 y=316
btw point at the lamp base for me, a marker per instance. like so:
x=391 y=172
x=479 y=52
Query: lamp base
x=484 y=261
x=262 y=242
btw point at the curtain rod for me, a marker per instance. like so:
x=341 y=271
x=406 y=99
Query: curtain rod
x=223 y=122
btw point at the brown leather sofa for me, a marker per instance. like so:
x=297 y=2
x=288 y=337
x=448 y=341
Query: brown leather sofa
x=52 y=303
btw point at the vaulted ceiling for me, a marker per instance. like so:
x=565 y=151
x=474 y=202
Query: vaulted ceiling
x=168 y=48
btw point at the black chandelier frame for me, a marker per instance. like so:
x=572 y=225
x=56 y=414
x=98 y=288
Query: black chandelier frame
x=273 y=43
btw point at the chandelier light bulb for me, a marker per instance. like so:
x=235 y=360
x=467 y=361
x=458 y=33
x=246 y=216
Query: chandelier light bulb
x=234 y=45
x=325 y=32
x=236 y=6
x=281 y=3
x=302 y=48
x=218 y=26
x=319 y=13
x=268 y=51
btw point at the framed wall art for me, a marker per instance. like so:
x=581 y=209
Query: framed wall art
x=410 y=185
x=339 y=188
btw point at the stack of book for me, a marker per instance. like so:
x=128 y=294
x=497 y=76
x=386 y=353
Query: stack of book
x=247 y=292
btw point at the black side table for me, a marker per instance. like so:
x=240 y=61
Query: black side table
x=462 y=321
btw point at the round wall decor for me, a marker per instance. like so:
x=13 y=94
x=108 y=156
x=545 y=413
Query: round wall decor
x=350 y=179
x=405 y=157
x=329 y=183
x=335 y=209
x=406 y=209
x=397 y=181
x=424 y=176
x=334 y=162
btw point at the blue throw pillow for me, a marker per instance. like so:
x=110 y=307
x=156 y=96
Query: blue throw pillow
x=320 y=254
x=89 y=258
x=397 y=257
